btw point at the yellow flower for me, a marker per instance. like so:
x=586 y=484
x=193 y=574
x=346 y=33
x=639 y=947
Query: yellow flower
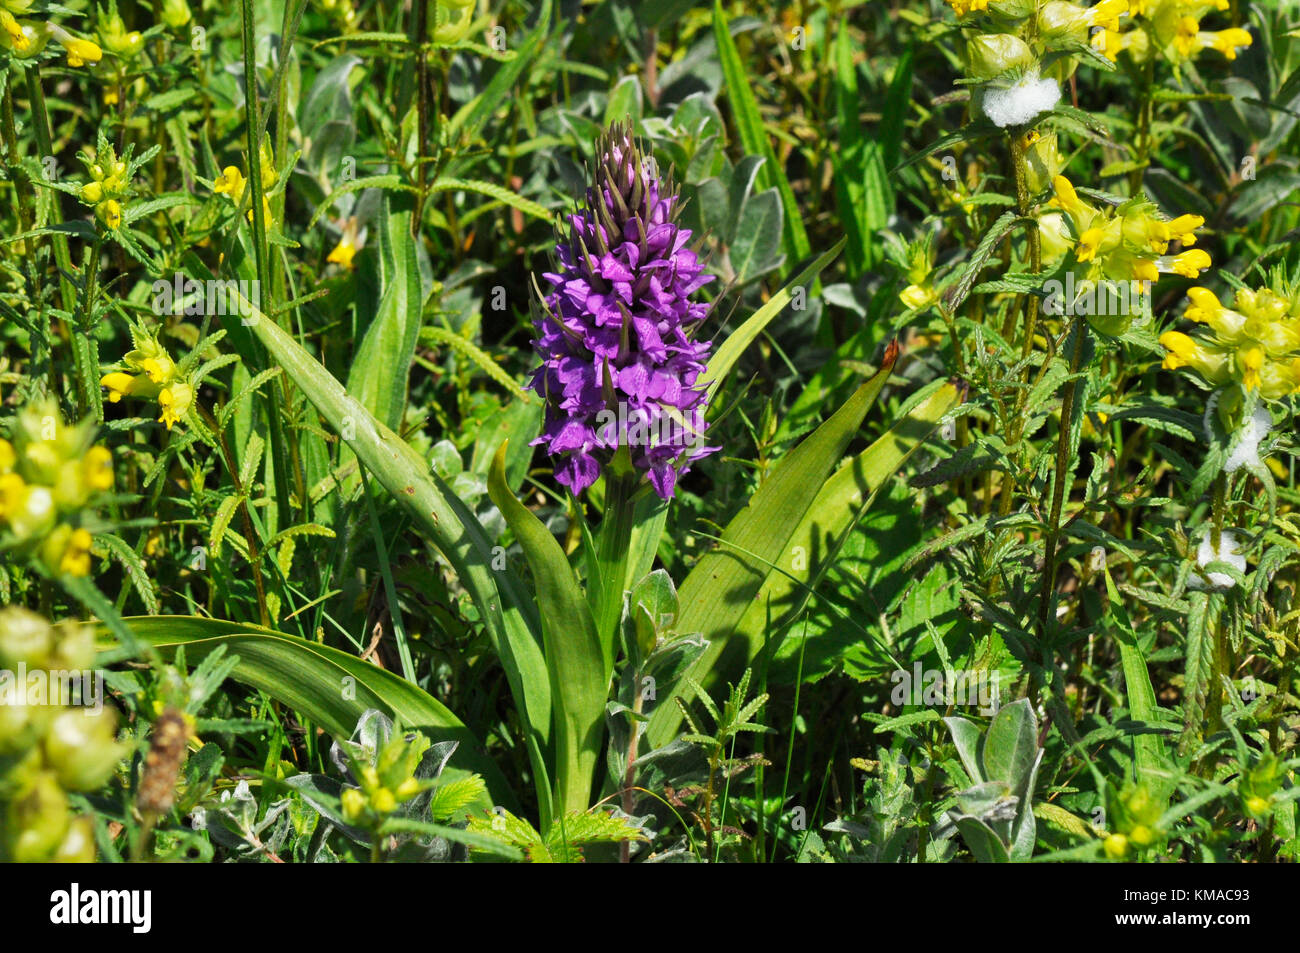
x=963 y=7
x=1066 y=197
x=175 y=401
x=1183 y=228
x=266 y=211
x=80 y=52
x=1185 y=351
x=230 y=182
x=76 y=558
x=1109 y=43
x=1259 y=339
x=1106 y=14
x=1115 y=846
x=1206 y=308
x=7 y=456
x=342 y=254
x=1187 y=36
x=353 y=803
x=160 y=367
x=266 y=161
x=1142 y=835
x=18 y=40
x=119 y=385
x=408 y=789
x=111 y=213
x=1229 y=41
x=24 y=38
x=917 y=297
x=1252 y=362
x=13 y=491
x=98 y=468
x=1189 y=264
x=1144 y=270
x=1089 y=241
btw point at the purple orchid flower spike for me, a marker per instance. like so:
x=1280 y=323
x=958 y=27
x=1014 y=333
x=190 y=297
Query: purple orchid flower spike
x=615 y=333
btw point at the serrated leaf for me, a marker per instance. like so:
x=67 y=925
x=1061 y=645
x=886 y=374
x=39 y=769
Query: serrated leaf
x=220 y=523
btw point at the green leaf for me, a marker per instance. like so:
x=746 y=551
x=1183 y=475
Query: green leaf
x=328 y=687
x=477 y=842
x=505 y=607
x=717 y=593
x=1011 y=744
x=1060 y=817
x=1199 y=665
x=921 y=717
x=983 y=843
x=466 y=348
x=392 y=182
x=955 y=295
x=220 y=523
x=140 y=210
x=1149 y=754
x=624 y=101
x=252 y=458
x=817 y=541
x=574 y=658
x=492 y=190
x=757 y=245
x=966 y=737
x=134 y=566
x=382 y=361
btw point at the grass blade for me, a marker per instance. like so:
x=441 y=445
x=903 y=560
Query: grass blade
x=754 y=138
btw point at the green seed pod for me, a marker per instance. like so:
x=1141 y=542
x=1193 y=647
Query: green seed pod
x=78 y=845
x=74 y=647
x=25 y=639
x=82 y=749
x=34 y=516
x=1042 y=163
x=175 y=13
x=21 y=725
x=992 y=55
x=1111 y=325
x=1061 y=21
x=450 y=24
x=38 y=819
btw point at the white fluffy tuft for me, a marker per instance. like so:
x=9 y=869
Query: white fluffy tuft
x=1227 y=553
x=1017 y=104
x=1245 y=451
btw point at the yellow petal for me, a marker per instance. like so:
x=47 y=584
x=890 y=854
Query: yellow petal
x=1089 y=241
x=80 y=52
x=118 y=385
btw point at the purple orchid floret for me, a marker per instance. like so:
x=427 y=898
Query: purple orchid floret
x=615 y=331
